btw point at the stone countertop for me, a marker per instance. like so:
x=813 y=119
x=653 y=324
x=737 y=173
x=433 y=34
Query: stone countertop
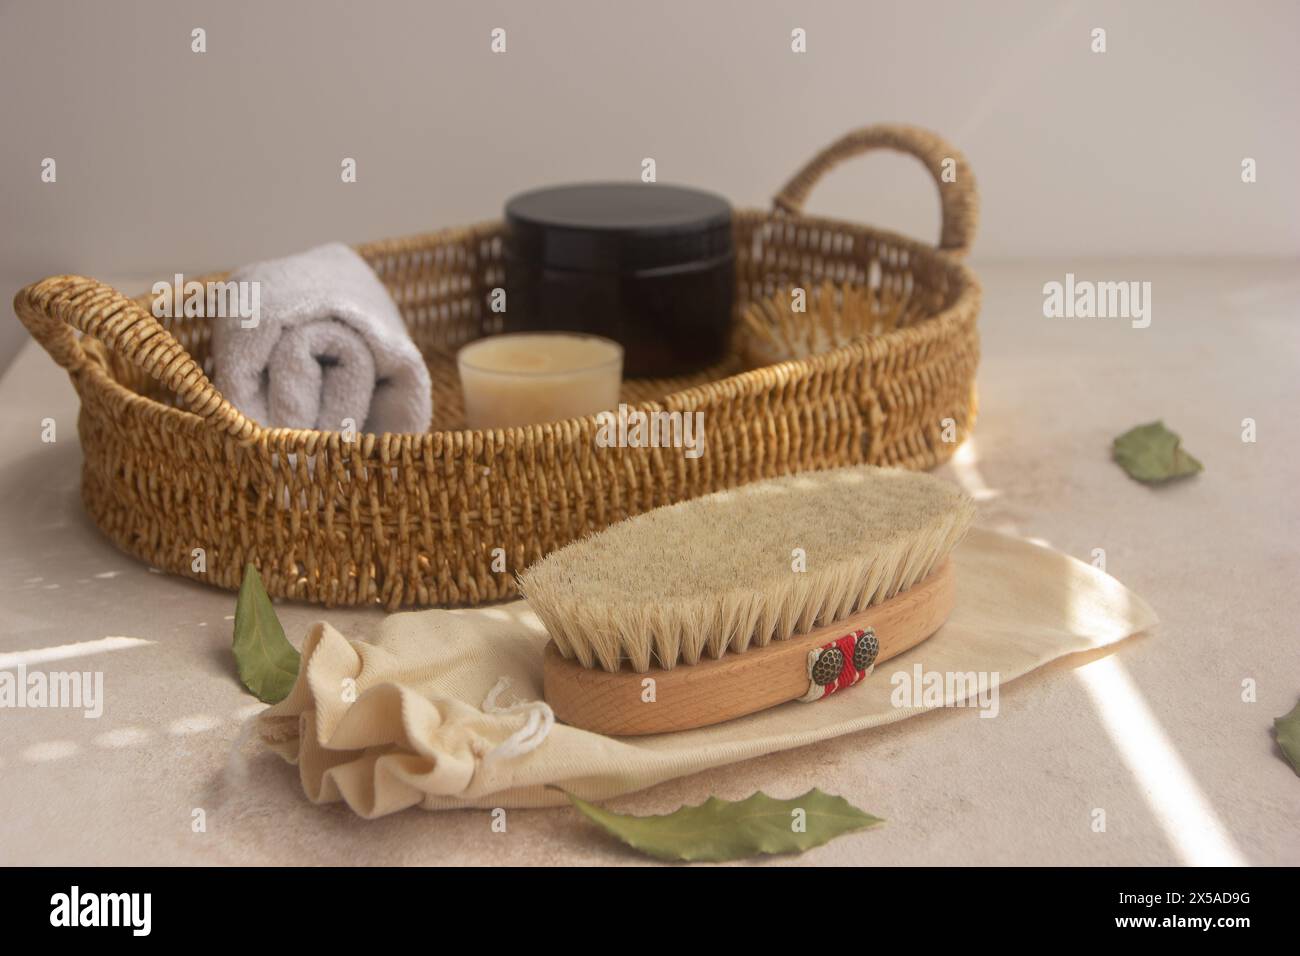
x=1156 y=733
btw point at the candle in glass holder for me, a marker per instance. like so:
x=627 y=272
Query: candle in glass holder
x=531 y=377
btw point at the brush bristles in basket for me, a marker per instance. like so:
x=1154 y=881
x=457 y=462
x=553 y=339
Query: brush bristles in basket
x=740 y=568
x=773 y=331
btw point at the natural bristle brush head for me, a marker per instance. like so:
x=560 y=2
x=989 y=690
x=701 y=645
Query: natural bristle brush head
x=774 y=330
x=742 y=568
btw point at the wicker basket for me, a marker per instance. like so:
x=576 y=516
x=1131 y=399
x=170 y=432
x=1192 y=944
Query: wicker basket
x=416 y=519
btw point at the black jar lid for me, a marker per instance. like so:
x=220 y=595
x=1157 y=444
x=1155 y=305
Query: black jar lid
x=618 y=227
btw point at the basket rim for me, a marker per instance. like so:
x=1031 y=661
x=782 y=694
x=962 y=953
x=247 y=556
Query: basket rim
x=963 y=306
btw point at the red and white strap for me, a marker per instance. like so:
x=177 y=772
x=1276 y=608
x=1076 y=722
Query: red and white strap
x=841 y=663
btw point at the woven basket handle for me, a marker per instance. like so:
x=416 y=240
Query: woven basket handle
x=959 y=199
x=53 y=307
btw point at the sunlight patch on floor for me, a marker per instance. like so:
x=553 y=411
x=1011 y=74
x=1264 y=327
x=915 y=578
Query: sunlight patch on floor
x=1177 y=803
x=122 y=737
x=49 y=751
x=194 y=724
x=965 y=463
x=63 y=652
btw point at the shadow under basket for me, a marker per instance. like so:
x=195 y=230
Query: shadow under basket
x=446 y=517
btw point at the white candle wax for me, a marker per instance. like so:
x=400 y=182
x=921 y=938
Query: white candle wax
x=530 y=377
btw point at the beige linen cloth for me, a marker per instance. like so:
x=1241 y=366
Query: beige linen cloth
x=422 y=716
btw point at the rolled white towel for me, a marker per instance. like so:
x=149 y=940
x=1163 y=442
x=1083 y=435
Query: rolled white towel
x=329 y=345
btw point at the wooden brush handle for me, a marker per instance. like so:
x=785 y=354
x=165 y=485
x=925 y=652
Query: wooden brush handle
x=697 y=695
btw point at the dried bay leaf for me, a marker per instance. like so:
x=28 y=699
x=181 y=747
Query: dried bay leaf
x=267 y=662
x=1288 y=736
x=719 y=830
x=1153 y=454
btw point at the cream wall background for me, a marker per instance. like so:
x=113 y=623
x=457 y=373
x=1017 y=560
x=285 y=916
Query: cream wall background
x=170 y=161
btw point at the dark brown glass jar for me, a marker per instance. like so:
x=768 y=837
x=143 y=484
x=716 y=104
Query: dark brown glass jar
x=650 y=266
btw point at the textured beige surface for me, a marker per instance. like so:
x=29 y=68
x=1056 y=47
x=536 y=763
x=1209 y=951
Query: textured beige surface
x=1155 y=734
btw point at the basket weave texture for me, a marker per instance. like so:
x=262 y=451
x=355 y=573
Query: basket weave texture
x=431 y=519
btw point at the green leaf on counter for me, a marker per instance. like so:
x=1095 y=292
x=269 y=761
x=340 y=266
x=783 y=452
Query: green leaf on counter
x=1153 y=454
x=720 y=830
x=1288 y=736
x=268 y=663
